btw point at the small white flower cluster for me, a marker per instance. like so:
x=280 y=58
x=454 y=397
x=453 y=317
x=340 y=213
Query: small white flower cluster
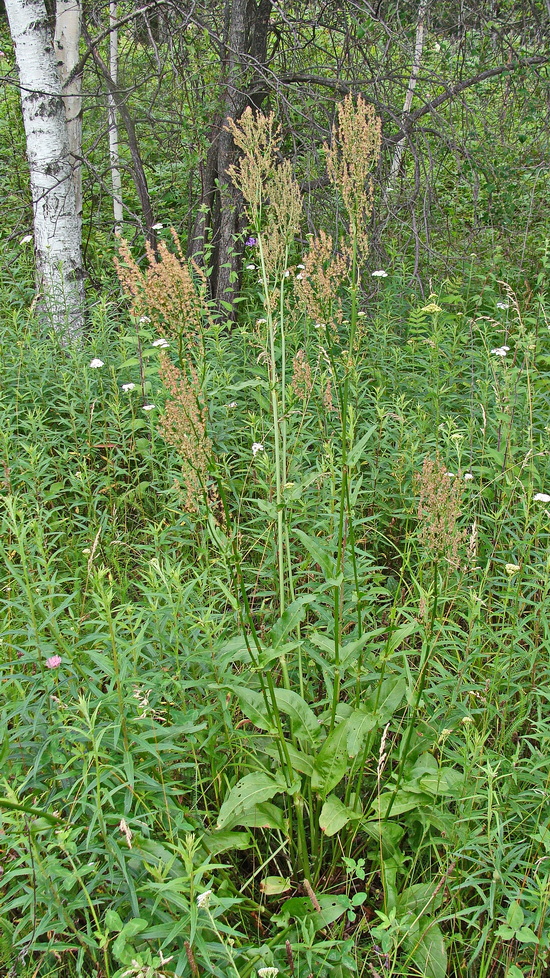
x=96 y=362
x=257 y=447
x=500 y=351
x=161 y=342
x=541 y=497
x=203 y=899
x=127 y=387
x=379 y=273
x=503 y=305
x=148 y=407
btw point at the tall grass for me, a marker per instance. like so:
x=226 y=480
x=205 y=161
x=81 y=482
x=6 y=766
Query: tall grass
x=275 y=696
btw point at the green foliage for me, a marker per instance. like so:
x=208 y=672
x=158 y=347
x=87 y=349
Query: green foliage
x=303 y=724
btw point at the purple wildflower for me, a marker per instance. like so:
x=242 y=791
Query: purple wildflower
x=53 y=662
x=250 y=242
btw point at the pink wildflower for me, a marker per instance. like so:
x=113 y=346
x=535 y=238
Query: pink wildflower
x=53 y=662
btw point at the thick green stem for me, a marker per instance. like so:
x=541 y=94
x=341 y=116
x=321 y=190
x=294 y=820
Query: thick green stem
x=340 y=559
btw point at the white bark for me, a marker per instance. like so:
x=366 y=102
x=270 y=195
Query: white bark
x=57 y=227
x=113 y=122
x=417 y=60
x=66 y=43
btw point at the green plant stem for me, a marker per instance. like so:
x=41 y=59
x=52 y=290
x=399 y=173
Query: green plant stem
x=420 y=689
x=338 y=589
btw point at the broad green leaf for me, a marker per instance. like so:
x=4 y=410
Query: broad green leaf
x=389 y=698
x=332 y=762
x=113 y=921
x=419 y=898
x=350 y=652
x=323 y=642
x=291 y=618
x=320 y=555
x=405 y=801
x=447 y=781
x=253 y=706
x=273 y=885
x=357 y=450
x=334 y=815
x=360 y=723
x=428 y=949
x=303 y=763
x=526 y=936
x=332 y=907
x=515 y=916
x=305 y=724
x=216 y=842
x=388 y=835
x=133 y=927
x=401 y=633
x=245 y=795
x=264 y=816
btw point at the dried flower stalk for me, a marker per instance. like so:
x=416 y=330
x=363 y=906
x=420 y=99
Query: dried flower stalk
x=273 y=199
x=183 y=426
x=321 y=280
x=354 y=150
x=439 y=509
x=166 y=292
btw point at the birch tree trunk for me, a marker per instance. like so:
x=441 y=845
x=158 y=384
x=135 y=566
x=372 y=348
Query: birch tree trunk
x=417 y=60
x=66 y=43
x=113 y=123
x=57 y=228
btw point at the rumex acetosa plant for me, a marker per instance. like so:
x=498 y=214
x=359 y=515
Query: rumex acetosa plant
x=167 y=295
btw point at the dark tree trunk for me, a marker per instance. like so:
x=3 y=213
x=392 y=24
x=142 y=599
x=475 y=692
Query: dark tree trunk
x=220 y=218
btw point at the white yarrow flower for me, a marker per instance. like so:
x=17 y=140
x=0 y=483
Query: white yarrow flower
x=128 y=387
x=512 y=569
x=144 y=319
x=96 y=362
x=299 y=276
x=268 y=972
x=503 y=305
x=149 y=407
x=500 y=351
x=161 y=342
x=157 y=227
x=257 y=447
x=379 y=273
x=203 y=899
x=541 y=497
x=300 y=266
x=468 y=476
